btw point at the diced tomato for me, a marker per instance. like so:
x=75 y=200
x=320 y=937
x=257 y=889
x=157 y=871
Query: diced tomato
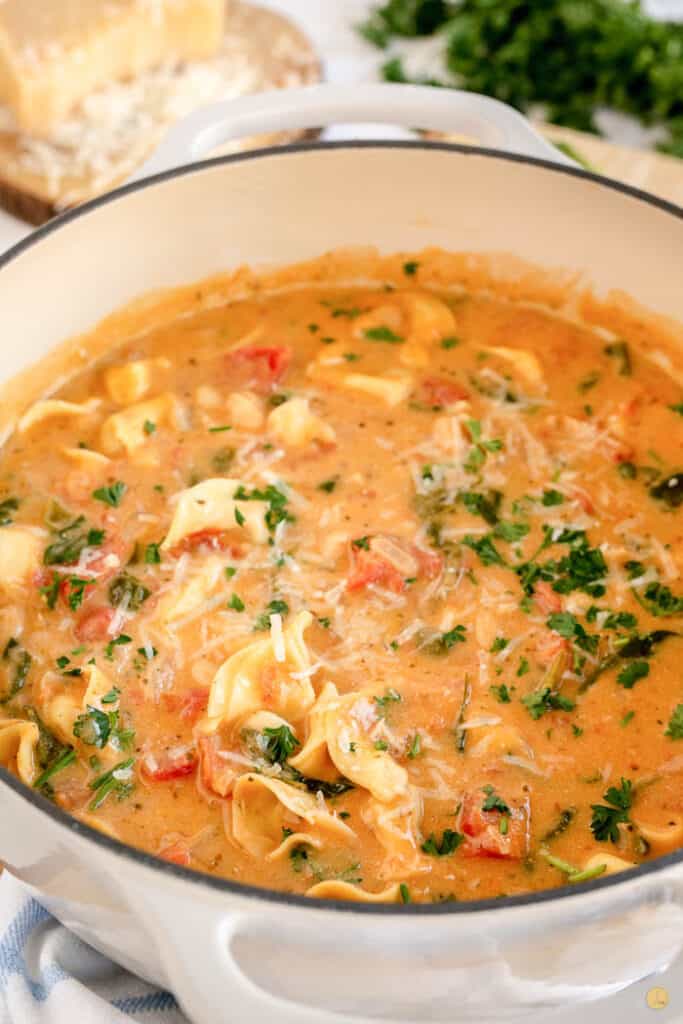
x=217 y=540
x=177 y=853
x=370 y=568
x=430 y=562
x=110 y=557
x=170 y=767
x=94 y=623
x=437 y=391
x=373 y=566
x=483 y=829
x=269 y=362
x=191 y=705
x=217 y=774
x=546 y=598
x=584 y=501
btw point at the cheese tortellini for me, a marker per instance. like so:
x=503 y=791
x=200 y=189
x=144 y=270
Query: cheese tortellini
x=267 y=674
x=18 y=742
x=212 y=506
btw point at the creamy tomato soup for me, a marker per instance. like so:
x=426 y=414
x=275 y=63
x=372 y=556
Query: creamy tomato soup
x=361 y=592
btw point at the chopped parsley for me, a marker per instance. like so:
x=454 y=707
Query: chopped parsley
x=111 y=495
x=538 y=702
x=277 y=505
x=415 y=747
x=120 y=641
x=485 y=505
x=551 y=498
x=410 y=268
x=485 y=548
x=70 y=541
x=7 y=507
x=606 y=819
x=499 y=644
x=449 y=843
x=116 y=781
x=384 y=702
x=236 y=603
x=443 y=643
x=18 y=661
x=274 y=607
x=383 y=334
x=659 y=600
x=449 y=343
x=149 y=427
x=277 y=744
x=152 y=554
x=501 y=693
x=629 y=676
x=674 y=729
x=621 y=353
x=493 y=802
x=670 y=490
x=361 y=543
x=96 y=728
x=126 y=591
x=567 y=626
x=328 y=486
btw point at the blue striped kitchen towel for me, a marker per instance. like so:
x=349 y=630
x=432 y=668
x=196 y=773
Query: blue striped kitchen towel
x=48 y=976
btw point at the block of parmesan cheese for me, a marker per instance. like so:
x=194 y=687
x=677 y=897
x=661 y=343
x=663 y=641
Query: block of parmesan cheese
x=54 y=53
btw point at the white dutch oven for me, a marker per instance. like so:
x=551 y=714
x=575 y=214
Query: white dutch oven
x=241 y=954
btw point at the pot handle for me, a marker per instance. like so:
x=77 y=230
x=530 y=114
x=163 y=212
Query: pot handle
x=493 y=123
x=205 y=975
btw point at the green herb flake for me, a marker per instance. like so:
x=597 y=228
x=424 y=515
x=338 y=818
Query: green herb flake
x=448 y=844
x=111 y=495
x=383 y=334
x=606 y=819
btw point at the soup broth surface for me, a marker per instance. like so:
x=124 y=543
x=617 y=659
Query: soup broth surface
x=363 y=592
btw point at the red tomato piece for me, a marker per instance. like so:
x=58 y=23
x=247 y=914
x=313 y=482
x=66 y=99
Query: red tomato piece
x=483 y=829
x=370 y=568
x=191 y=705
x=177 y=853
x=430 y=562
x=169 y=767
x=269 y=362
x=93 y=624
x=547 y=600
x=437 y=391
x=217 y=774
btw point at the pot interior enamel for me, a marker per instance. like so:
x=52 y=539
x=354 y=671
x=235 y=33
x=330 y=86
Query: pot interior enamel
x=276 y=208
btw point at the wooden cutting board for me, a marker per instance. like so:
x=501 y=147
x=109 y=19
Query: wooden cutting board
x=654 y=172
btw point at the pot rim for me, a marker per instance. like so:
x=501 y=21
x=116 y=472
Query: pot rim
x=224 y=885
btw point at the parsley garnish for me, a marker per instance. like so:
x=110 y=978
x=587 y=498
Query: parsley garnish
x=552 y=497
x=567 y=626
x=621 y=353
x=670 y=491
x=274 y=607
x=659 y=600
x=410 y=268
x=236 y=603
x=606 y=820
x=443 y=643
x=111 y=495
x=415 y=747
x=449 y=343
x=501 y=693
x=277 y=744
x=70 y=542
x=7 y=507
x=362 y=543
x=277 y=501
x=493 y=802
x=629 y=676
x=499 y=644
x=485 y=548
x=383 y=334
x=118 y=641
x=116 y=781
x=152 y=554
x=18 y=663
x=674 y=729
x=545 y=699
x=383 y=703
x=149 y=427
x=450 y=841
x=127 y=590
x=328 y=486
